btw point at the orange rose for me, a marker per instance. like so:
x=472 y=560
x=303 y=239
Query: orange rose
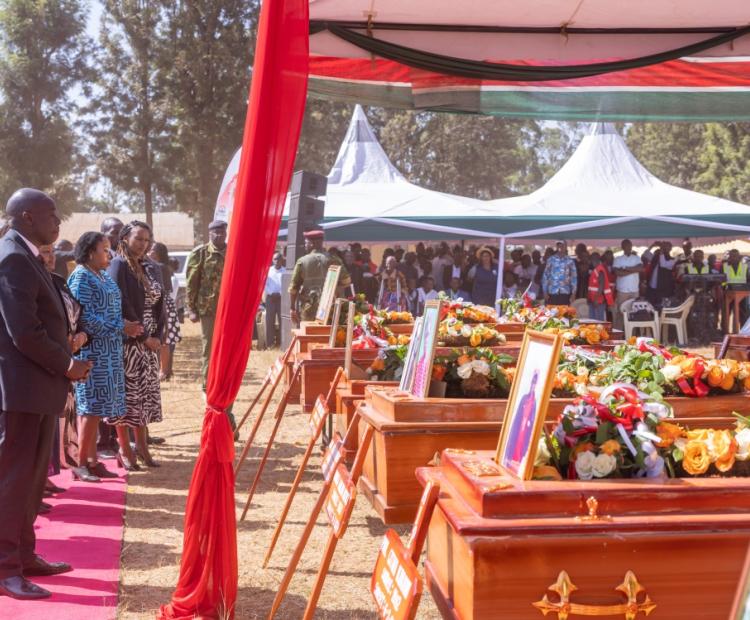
x=610 y=447
x=701 y=434
x=592 y=336
x=725 y=448
x=696 y=460
x=438 y=372
x=715 y=376
x=582 y=447
x=378 y=364
x=668 y=432
x=728 y=383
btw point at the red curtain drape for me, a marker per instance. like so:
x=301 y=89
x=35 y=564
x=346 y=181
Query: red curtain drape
x=207 y=587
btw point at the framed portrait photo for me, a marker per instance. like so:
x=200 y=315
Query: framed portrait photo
x=407 y=374
x=328 y=294
x=424 y=350
x=338 y=304
x=527 y=403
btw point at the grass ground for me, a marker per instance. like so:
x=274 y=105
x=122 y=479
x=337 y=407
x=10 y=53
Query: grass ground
x=156 y=504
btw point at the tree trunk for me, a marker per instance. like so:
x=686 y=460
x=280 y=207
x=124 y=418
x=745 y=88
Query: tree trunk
x=148 y=204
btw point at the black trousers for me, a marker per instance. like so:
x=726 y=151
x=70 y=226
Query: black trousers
x=560 y=299
x=25 y=445
x=273 y=316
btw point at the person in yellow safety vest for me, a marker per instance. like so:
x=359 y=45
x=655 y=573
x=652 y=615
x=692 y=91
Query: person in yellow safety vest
x=696 y=266
x=735 y=269
x=600 y=291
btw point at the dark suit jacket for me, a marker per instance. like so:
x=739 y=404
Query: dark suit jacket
x=34 y=349
x=134 y=297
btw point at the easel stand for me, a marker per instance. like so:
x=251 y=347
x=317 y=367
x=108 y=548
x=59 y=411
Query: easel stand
x=279 y=414
x=317 y=421
x=396 y=584
x=272 y=378
x=338 y=495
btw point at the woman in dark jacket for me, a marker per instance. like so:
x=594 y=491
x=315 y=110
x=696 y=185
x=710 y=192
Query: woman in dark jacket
x=142 y=302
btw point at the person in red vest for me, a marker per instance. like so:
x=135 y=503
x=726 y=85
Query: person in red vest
x=600 y=290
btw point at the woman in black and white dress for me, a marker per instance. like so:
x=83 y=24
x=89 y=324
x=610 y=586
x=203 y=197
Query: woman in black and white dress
x=142 y=301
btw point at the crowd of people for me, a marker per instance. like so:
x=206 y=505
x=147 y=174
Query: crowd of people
x=87 y=335
x=406 y=280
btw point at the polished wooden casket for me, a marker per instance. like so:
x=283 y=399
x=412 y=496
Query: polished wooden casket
x=502 y=548
x=409 y=432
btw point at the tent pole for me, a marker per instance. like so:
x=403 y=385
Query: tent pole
x=500 y=270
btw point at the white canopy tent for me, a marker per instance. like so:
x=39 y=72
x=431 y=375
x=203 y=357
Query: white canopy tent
x=363 y=186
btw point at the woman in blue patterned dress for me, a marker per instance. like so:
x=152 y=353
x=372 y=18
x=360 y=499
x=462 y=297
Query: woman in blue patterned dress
x=102 y=395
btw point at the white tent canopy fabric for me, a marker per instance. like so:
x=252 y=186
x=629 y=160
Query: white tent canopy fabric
x=529 y=14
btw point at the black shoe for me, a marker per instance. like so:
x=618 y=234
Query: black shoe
x=148 y=462
x=125 y=463
x=39 y=567
x=101 y=471
x=44 y=509
x=22 y=589
x=155 y=441
x=84 y=475
x=53 y=488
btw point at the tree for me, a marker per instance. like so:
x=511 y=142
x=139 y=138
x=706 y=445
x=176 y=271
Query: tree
x=478 y=156
x=323 y=128
x=209 y=56
x=725 y=161
x=670 y=151
x=128 y=117
x=43 y=49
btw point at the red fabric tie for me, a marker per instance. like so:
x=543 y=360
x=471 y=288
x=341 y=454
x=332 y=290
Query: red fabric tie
x=207 y=587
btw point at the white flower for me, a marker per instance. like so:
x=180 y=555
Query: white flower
x=466 y=331
x=681 y=443
x=603 y=465
x=743 y=444
x=464 y=370
x=481 y=367
x=581 y=389
x=585 y=465
x=655 y=466
x=671 y=372
x=543 y=457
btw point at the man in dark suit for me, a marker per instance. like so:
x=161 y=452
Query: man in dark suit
x=36 y=368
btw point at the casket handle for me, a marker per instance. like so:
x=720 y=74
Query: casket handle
x=564 y=608
x=593 y=516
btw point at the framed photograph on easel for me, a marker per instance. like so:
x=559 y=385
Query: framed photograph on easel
x=328 y=294
x=351 y=370
x=407 y=374
x=335 y=322
x=418 y=366
x=527 y=403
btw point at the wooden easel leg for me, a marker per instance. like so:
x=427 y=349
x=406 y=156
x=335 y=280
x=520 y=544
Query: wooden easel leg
x=252 y=405
x=254 y=430
x=312 y=602
x=299 y=549
x=279 y=415
x=290 y=498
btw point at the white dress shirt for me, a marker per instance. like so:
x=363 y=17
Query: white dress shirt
x=273 y=281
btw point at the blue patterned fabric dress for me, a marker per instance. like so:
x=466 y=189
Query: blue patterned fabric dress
x=103 y=393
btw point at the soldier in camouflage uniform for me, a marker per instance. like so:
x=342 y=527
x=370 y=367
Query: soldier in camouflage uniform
x=205 y=266
x=309 y=275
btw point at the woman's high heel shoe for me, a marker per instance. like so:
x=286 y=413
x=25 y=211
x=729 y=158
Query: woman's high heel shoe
x=148 y=462
x=126 y=464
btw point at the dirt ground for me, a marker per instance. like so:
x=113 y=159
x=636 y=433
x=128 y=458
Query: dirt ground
x=156 y=506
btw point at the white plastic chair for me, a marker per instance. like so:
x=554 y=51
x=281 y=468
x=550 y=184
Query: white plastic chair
x=581 y=306
x=676 y=317
x=630 y=326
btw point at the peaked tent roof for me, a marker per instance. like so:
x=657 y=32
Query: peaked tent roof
x=602 y=192
x=364 y=184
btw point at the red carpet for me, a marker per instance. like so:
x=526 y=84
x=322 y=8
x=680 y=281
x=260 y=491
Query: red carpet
x=85 y=530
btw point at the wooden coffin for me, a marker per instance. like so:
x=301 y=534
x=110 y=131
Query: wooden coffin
x=409 y=432
x=496 y=548
x=349 y=393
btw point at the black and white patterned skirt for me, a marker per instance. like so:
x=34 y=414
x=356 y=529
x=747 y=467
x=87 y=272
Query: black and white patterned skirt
x=173 y=324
